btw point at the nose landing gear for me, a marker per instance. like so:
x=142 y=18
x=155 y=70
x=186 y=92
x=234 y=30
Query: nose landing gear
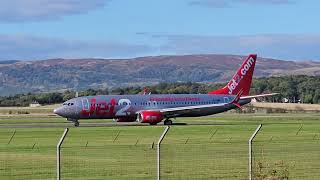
x=75 y=122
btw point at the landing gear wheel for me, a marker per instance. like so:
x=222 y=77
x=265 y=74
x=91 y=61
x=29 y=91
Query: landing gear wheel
x=167 y=122
x=76 y=123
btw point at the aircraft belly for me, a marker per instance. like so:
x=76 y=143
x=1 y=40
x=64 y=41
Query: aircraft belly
x=203 y=112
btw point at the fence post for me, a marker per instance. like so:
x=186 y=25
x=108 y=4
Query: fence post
x=250 y=150
x=58 y=153
x=158 y=150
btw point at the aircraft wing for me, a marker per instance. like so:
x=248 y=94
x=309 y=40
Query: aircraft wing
x=176 y=111
x=182 y=110
x=186 y=108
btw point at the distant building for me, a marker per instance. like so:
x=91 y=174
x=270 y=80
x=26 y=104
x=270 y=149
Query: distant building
x=285 y=100
x=34 y=104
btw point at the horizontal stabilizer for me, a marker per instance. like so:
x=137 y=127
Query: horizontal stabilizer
x=257 y=96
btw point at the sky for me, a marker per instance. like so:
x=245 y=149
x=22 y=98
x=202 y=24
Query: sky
x=47 y=29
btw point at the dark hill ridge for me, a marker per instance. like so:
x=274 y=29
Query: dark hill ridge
x=59 y=74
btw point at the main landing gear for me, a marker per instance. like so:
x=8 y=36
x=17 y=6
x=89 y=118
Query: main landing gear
x=75 y=122
x=167 y=122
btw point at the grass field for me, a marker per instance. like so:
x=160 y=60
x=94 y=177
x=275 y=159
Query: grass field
x=287 y=146
x=288 y=106
x=29 y=110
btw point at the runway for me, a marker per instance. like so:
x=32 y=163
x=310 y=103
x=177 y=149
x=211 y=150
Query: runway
x=69 y=125
x=124 y=124
x=106 y=124
x=89 y=125
x=28 y=121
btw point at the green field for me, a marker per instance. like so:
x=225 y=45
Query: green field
x=287 y=147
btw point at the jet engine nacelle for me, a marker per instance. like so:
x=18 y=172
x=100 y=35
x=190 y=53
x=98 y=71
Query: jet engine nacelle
x=152 y=117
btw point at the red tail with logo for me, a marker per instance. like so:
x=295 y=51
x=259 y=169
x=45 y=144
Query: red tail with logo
x=241 y=81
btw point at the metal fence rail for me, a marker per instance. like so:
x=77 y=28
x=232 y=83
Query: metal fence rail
x=250 y=150
x=59 y=153
x=158 y=151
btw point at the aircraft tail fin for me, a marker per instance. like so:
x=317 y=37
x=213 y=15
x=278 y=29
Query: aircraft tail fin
x=241 y=81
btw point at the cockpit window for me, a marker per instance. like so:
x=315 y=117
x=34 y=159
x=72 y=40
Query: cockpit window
x=68 y=104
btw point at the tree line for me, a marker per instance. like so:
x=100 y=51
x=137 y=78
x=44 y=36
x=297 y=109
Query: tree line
x=300 y=88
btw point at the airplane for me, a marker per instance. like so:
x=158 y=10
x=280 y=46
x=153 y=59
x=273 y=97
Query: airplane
x=154 y=108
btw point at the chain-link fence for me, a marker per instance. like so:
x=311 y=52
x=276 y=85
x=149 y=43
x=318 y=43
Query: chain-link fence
x=205 y=152
x=110 y=153
x=28 y=153
x=280 y=151
x=287 y=151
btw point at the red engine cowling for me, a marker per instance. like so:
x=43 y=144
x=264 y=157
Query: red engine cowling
x=125 y=119
x=152 y=117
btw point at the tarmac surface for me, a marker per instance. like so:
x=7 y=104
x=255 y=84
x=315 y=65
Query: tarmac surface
x=107 y=124
x=82 y=125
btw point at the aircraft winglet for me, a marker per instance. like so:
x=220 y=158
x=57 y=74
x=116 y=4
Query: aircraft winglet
x=237 y=99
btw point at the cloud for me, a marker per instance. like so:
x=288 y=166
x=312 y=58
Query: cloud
x=229 y=3
x=39 y=10
x=23 y=47
x=279 y=46
x=282 y=46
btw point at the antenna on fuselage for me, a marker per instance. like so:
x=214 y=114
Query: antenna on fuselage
x=77 y=94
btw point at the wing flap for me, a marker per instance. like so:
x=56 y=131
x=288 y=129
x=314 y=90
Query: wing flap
x=176 y=111
x=186 y=108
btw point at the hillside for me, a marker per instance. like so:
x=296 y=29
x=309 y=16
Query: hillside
x=60 y=74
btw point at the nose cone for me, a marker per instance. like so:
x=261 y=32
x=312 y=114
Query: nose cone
x=59 y=111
